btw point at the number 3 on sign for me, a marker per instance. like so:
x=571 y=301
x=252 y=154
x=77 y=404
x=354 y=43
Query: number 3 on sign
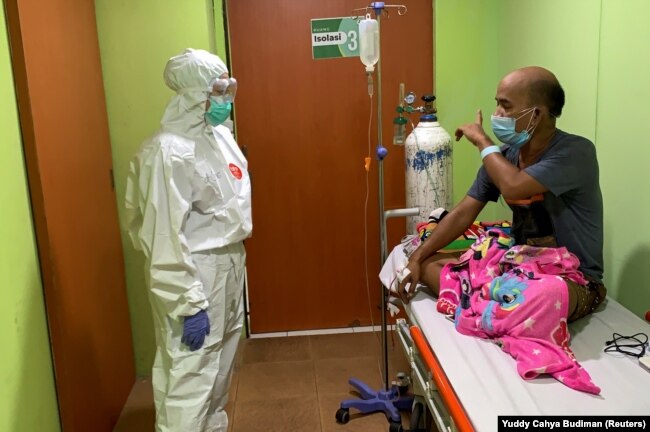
x=352 y=40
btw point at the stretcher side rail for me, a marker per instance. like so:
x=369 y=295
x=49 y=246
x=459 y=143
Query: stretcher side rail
x=422 y=384
x=430 y=381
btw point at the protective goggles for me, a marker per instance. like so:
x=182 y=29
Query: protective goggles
x=223 y=90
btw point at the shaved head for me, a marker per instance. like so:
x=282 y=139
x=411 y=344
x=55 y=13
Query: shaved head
x=541 y=86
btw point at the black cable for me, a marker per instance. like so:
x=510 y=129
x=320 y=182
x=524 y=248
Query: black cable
x=634 y=345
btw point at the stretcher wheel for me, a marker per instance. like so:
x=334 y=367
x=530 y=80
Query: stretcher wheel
x=342 y=415
x=395 y=427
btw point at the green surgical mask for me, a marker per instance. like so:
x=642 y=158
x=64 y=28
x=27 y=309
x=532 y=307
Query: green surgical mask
x=217 y=113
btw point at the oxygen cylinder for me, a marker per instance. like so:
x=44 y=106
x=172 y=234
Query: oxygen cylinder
x=428 y=167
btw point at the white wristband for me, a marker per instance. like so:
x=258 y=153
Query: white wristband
x=488 y=150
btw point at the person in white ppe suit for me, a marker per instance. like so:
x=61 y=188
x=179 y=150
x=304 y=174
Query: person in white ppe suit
x=188 y=204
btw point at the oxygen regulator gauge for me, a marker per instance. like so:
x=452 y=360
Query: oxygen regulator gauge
x=409 y=98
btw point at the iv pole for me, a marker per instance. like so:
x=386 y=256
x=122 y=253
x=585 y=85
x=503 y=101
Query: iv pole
x=389 y=400
x=382 y=152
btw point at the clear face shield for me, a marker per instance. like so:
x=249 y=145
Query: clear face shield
x=223 y=90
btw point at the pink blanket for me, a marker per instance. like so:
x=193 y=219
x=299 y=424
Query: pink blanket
x=517 y=297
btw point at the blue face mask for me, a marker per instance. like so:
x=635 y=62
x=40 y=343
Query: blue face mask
x=504 y=129
x=217 y=113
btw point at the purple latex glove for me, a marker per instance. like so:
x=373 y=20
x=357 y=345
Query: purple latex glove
x=195 y=328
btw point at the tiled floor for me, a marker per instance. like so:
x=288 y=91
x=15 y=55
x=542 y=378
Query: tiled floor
x=291 y=384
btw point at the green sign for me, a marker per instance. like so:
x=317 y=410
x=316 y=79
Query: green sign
x=334 y=37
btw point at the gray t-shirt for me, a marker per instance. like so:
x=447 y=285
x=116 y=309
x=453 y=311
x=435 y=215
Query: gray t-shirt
x=573 y=206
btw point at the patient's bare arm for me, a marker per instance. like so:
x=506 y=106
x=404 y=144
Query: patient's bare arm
x=424 y=265
x=430 y=270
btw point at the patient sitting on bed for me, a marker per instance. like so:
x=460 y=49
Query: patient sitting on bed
x=548 y=177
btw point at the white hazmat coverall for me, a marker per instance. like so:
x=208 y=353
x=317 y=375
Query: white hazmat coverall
x=188 y=209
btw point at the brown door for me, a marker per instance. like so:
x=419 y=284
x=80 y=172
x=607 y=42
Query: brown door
x=305 y=126
x=55 y=55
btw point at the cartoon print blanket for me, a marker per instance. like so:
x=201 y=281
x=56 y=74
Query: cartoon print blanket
x=517 y=296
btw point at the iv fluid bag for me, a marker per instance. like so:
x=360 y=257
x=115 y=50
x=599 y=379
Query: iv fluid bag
x=369 y=42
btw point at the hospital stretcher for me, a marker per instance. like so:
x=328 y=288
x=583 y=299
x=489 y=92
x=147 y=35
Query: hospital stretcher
x=467 y=382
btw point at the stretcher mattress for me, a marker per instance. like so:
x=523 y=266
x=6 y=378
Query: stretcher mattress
x=487 y=383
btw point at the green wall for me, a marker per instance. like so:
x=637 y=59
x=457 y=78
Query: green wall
x=597 y=50
x=623 y=150
x=571 y=54
x=27 y=394
x=466 y=75
x=136 y=39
